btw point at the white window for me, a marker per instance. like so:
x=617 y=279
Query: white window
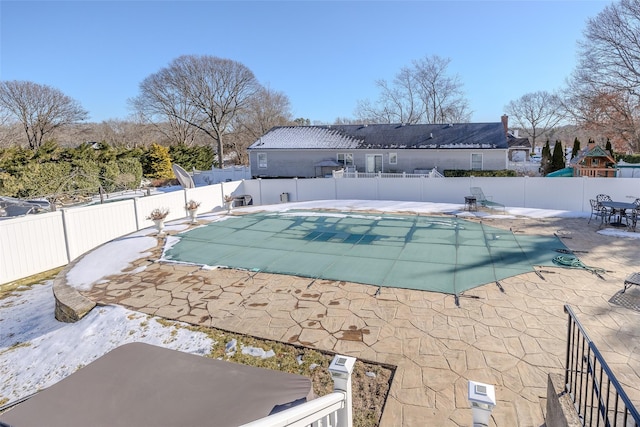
x=262 y=160
x=345 y=159
x=393 y=158
x=476 y=162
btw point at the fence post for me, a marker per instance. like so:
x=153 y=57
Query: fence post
x=66 y=235
x=136 y=213
x=341 y=368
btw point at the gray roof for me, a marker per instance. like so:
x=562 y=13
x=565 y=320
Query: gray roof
x=514 y=142
x=379 y=136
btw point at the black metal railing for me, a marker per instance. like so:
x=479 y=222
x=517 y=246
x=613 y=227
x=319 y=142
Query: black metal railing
x=596 y=393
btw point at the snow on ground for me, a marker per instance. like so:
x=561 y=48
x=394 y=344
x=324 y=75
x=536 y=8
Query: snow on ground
x=36 y=350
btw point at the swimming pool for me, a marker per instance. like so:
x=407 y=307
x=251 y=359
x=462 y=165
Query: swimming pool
x=430 y=253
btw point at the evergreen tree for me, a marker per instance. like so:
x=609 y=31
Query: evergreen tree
x=158 y=162
x=576 y=148
x=557 y=160
x=198 y=157
x=545 y=160
x=49 y=151
x=130 y=172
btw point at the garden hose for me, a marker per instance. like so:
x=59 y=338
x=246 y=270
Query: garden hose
x=573 y=262
x=569 y=251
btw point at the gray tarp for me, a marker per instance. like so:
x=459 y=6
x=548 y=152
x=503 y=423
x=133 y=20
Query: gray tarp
x=143 y=385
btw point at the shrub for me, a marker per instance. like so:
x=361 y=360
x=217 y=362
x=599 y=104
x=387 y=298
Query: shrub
x=130 y=172
x=197 y=157
x=458 y=173
x=158 y=162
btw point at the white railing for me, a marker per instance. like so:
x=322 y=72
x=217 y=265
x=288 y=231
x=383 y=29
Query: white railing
x=433 y=173
x=332 y=410
x=322 y=411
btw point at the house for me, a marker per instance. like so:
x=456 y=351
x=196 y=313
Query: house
x=594 y=161
x=627 y=170
x=315 y=151
x=519 y=148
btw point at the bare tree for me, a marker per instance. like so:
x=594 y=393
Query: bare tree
x=441 y=95
x=536 y=113
x=128 y=134
x=204 y=92
x=423 y=93
x=40 y=109
x=116 y=133
x=267 y=109
x=604 y=90
x=397 y=103
x=163 y=103
x=9 y=130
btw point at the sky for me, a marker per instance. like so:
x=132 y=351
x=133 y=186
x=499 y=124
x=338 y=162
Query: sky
x=37 y=351
x=324 y=55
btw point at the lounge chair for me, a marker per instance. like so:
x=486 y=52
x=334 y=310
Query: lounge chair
x=482 y=200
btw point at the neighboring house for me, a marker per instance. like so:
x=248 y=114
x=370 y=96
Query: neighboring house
x=315 y=151
x=627 y=170
x=519 y=148
x=594 y=161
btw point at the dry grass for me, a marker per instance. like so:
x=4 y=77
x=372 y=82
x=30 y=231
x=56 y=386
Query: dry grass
x=370 y=381
x=24 y=284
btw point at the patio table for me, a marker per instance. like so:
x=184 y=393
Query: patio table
x=621 y=207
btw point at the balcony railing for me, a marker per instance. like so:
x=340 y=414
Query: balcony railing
x=595 y=172
x=596 y=393
x=342 y=173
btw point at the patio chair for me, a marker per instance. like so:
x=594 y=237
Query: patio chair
x=599 y=211
x=605 y=198
x=633 y=279
x=631 y=218
x=485 y=201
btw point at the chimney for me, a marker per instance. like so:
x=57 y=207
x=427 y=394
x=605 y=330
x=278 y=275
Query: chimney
x=505 y=123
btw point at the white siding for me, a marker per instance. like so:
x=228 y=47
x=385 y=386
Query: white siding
x=301 y=163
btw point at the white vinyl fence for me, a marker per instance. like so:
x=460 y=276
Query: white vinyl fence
x=36 y=243
x=216 y=176
x=570 y=194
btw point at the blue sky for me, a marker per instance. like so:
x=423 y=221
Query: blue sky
x=324 y=55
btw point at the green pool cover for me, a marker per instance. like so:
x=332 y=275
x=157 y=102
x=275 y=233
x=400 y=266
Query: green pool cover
x=440 y=254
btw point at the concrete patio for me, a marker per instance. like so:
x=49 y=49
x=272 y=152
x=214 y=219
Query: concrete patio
x=512 y=338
